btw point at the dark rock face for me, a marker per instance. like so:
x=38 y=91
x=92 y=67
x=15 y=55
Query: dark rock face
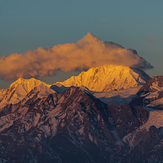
x=127 y=119
x=149 y=148
x=147 y=86
x=151 y=91
x=15 y=147
x=75 y=127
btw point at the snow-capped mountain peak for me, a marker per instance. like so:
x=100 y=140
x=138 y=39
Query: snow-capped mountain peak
x=28 y=84
x=108 y=77
x=20 y=88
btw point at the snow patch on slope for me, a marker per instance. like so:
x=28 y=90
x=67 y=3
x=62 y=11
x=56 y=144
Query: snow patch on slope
x=119 y=97
x=155 y=118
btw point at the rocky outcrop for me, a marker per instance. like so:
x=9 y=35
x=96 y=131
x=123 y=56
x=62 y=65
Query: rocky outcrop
x=150 y=94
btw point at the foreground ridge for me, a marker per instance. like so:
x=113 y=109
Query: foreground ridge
x=70 y=127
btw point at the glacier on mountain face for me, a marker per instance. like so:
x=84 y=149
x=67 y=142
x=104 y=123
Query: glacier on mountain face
x=107 y=78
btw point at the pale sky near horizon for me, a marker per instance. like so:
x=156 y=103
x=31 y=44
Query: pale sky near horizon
x=27 y=25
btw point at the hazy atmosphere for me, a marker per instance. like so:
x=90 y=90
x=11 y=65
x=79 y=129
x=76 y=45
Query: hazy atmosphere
x=52 y=40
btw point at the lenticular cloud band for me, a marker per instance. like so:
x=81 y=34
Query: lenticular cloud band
x=88 y=52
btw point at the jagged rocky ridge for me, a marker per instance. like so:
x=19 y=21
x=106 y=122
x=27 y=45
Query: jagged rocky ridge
x=150 y=94
x=73 y=127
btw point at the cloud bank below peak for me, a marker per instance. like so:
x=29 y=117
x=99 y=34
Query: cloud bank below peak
x=88 y=52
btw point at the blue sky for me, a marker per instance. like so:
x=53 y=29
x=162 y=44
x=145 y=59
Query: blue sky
x=27 y=25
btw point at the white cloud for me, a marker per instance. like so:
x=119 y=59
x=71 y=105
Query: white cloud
x=88 y=52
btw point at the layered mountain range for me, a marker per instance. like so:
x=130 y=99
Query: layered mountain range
x=101 y=79
x=67 y=123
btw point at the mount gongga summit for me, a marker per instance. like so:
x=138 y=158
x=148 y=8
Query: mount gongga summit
x=107 y=78
x=107 y=114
